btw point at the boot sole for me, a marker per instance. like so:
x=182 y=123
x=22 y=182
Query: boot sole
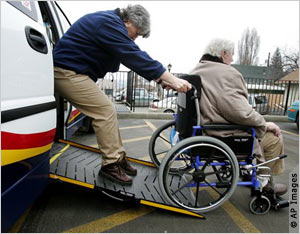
x=130 y=173
x=101 y=173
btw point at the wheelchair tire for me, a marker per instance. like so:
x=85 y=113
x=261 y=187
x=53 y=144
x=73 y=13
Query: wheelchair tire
x=203 y=157
x=159 y=143
x=260 y=205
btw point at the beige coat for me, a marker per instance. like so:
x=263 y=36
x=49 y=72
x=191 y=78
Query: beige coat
x=224 y=99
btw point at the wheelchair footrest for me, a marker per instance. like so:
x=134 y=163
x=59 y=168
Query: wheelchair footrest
x=281 y=204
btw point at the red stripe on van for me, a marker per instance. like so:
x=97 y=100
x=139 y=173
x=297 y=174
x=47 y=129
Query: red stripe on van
x=13 y=141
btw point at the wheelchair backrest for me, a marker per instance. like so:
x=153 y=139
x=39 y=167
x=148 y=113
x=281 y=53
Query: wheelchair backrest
x=187 y=105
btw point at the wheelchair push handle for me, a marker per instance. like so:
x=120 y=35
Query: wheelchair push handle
x=166 y=84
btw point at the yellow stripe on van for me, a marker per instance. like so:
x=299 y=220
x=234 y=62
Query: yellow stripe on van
x=12 y=156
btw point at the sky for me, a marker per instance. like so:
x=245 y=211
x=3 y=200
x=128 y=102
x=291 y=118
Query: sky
x=180 y=30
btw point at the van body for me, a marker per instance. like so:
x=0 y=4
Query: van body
x=29 y=32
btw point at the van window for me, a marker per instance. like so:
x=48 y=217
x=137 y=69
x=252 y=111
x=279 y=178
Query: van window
x=27 y=7
x=64 y=21
x=49 y=23
x=261 y=99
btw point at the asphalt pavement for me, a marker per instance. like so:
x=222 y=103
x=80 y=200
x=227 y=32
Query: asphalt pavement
x=65 y=207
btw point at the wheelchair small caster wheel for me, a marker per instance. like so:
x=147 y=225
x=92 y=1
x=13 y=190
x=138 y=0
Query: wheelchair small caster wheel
x=226 y=172
x=260 y=205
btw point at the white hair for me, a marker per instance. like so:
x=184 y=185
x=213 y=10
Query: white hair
x=139 y=16
x=217 y=45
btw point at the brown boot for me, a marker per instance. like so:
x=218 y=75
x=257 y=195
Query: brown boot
x=279 y=189
x=129 y=170
x=114 y=172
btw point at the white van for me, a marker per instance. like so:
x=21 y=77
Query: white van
x=29 y=32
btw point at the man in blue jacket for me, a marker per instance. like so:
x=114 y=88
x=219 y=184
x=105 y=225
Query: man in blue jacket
x=96 y=44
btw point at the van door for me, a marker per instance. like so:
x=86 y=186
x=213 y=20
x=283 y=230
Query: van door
x=28 y=107
x=27 y=86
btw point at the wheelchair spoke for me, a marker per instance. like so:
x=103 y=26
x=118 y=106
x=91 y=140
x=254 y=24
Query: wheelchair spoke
x=181 y=187
x=163 y=152
x=217 y=175
x=164 y=139
x=197 y=194
x=184 y=171
x=213 y=188
x=209 y=159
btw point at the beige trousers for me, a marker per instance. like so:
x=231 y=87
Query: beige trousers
x=83 y=93
x=272 y=147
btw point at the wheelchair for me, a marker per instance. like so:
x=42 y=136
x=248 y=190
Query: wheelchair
x=208 y=168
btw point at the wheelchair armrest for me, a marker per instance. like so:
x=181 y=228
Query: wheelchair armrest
x=226 y=127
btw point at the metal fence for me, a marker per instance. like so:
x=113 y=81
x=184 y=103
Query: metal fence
x=266 y=96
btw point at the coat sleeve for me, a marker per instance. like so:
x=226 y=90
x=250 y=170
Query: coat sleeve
x=234 y=106
x=113 y=38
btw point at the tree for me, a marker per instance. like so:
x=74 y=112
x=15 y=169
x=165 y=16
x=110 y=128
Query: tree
x=276 y=66
x=248 y=47
x=290 y=60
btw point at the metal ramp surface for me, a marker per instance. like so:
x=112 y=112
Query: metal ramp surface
x=78 y=164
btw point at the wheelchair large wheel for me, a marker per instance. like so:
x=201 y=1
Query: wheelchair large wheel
x=160 y=142
x=191 y=175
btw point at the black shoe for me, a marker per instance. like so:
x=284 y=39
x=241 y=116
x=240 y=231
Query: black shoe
x=114 y=172
x=129 y=170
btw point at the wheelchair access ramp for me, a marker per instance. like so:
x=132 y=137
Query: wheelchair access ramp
x=79 y=164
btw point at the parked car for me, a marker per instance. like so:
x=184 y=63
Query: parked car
x=120 y=95
x=142 y=98
x=167 y=105
x=259 y=103
x=293 y=113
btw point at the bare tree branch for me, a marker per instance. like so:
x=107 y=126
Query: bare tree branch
x=248 y=47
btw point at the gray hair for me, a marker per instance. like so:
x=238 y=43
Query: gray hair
x=217 y=45
x=139 y=16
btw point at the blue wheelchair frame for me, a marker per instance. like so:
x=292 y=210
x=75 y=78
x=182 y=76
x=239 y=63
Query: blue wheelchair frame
x=253 y=183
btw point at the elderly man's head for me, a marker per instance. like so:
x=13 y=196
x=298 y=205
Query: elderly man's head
x=137 y=21
x=221 y=48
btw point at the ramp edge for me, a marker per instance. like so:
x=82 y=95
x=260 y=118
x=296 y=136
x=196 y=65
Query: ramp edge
x=56 y=177
x=171 y=208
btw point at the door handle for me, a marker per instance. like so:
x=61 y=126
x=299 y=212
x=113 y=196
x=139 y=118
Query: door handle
x=36 y=40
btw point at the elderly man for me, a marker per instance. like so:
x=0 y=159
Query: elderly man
x=95 y=44
x=224 y=99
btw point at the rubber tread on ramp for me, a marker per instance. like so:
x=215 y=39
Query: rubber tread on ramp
x=74 y=164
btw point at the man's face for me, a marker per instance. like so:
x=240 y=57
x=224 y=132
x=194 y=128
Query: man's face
x=133 y=32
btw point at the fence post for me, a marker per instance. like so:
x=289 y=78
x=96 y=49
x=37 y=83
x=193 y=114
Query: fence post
x=129 y=95
x=287 y=98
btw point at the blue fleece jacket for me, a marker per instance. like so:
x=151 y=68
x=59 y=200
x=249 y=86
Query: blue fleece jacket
x=97 y=43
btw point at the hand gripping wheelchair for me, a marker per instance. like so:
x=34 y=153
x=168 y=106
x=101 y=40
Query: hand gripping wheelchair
x=208 y=167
